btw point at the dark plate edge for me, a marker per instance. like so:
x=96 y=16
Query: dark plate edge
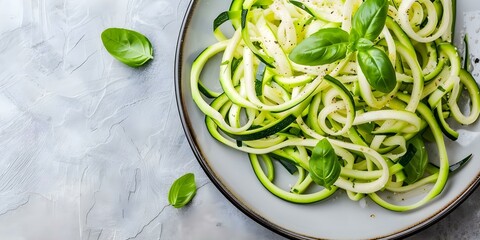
x=427 y=222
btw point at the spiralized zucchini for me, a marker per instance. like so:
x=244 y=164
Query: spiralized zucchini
x=275 y=109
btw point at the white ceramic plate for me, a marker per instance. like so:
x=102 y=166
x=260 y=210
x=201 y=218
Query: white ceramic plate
x=337 y=217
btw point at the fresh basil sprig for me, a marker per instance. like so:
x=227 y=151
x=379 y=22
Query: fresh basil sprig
x=332 y=44
x=324 y=165
x=369 y=20
x=377 y=68
x=182 y=190
x=127 y=46
x=325 y=46
x=362 y=44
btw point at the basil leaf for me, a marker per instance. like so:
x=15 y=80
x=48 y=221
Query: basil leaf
x=377 y=68
x=354 y=37
x=325 y=46
x=415 y=168
x=324 y=165
x=370 y=18
x=127 y=46
x=182 y=190
x=363 y=43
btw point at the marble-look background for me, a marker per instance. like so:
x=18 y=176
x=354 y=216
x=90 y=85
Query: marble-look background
x=89 y=147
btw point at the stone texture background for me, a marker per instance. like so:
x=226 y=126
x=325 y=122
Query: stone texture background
x=90 y=147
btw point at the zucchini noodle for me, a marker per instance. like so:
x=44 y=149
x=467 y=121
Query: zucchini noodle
x=276 y=110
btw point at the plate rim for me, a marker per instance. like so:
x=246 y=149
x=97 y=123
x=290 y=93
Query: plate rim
x=192 y=141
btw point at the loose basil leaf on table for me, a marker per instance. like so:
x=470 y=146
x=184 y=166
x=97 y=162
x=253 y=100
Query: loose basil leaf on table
x=377 y=68
x=127 y=46
x=325 y=46
x=370 y=18
x=324 y=165
x=182 y=190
